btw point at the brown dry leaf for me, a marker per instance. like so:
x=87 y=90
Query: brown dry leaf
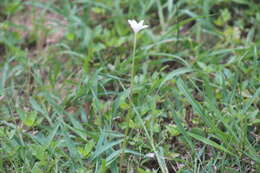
x=72 y=109
x=86 y=107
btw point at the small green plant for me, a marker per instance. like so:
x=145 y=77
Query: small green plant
x=136 y=28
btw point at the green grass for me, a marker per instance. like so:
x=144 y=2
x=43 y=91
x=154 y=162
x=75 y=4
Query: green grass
x=66 y=105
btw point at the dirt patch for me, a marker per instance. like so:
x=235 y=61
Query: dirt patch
x=39 y=24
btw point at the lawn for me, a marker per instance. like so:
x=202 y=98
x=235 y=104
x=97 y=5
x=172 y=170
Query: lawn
x=81 y=92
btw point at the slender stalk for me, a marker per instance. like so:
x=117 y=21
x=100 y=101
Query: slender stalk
x=133 y=64
x=131 y=87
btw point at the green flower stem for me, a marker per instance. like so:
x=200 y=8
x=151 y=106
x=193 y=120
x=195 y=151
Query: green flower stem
x=124 y=146
x=133 y=64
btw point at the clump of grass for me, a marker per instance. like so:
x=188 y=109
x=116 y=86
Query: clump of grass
x=192 y=104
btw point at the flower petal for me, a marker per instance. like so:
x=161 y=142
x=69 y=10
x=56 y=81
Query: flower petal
x=141 y=22
x=137 y=26
x=145 y=26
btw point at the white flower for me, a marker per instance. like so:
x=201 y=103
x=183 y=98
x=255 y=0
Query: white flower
x=137 y=26
x=151 y=155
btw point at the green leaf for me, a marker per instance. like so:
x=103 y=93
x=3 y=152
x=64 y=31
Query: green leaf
x=88 y=147
x=210 y=142
x=30 y=118
x=38 y=108
x=173 y=74
x=105 y=147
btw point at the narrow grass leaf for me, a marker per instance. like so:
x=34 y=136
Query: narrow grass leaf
x=173 y=74
x=183 y=131
x=250 y=101
x=210 y=142
x=81 y=133
x=196 y=106
x=52 y=134
x=3 y=77
x=38 y=108
x=104 y=148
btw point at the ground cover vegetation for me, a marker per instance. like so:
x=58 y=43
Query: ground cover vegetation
x=66 y=104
